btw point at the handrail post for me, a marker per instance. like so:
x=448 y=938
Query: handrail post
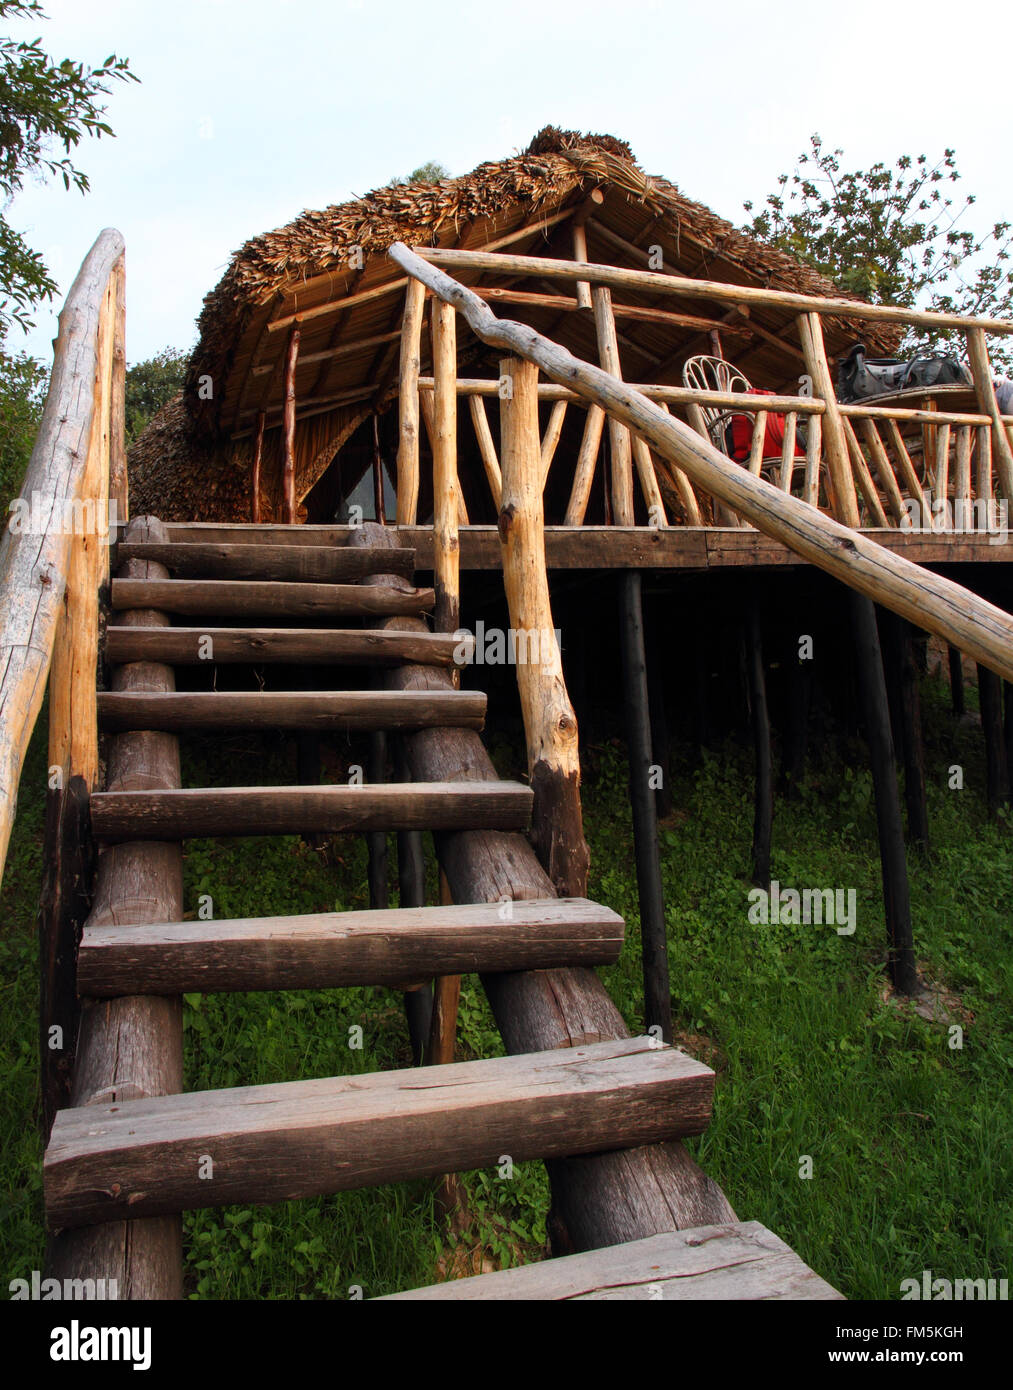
x=288 y=422
x=981 y=371
x=550 y=724
x=408 y=405
x=119 y=492
x=835 y=444
x=446 y=546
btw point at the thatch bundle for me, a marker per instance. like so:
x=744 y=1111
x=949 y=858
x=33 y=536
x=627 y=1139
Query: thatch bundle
x=194 y=460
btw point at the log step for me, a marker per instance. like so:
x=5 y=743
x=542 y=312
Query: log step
x=318 y=563
x=311 y=709
x=242 y=598
x=742 y=1260
x=191 y=811
x=307 y=1138
x=308 y=646
x=330 y=950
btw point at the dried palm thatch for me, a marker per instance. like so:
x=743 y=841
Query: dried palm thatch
x=194 y=459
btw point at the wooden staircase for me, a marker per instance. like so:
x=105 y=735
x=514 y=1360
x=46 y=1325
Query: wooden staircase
x=128 y=1153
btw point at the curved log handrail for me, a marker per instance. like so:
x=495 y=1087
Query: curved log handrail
x=40 y=560
x=947 y=609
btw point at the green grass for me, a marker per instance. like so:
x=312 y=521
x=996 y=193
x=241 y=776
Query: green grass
x=910 y=1139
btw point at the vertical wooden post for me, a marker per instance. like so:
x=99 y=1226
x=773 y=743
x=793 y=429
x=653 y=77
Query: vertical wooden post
x=876 y=716
x=446 y=546
x=408 y=405
x=580 y=254
x=487 y=449
x=119 y=492
x=378 y=505
x=981 y=371
x=288 y=473
x=619 y=435
x=132 y=1047
x=659 y=720
x=376 y=840
x=835 y=442
x=583 y=473
x=411 y=884
x=550 y=724
x=258 y=457
x=990 y=700
x=446 y=995
x=657 y=988
x=956 y=680
x=763 y=811
x=73 y=719
x=903 y=678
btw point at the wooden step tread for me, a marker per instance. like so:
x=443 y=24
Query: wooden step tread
x=321 y=563
x=306 y=1138
x=190 y=811
x=737 y=1261
x=245 y=597
x=330 y=950
x=195 y=646
x=284 y=709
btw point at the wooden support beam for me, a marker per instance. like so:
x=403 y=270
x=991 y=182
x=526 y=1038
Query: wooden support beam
x=446 y=488
x=756 y=677
x=583 y=474
x=657 y=989
x=864 y=478
x=258 y=455
x=580 y=254
x=981 y=371
x=131 y=1047
x=119 y=491
x=886 y=474
x=549 y=721
x=486 y=448
x=997 y=785
x=619 y=435
x=956 y=666
x=550 y=440
x=902 y=675
x=835 y=444
x=288 y=425
x=408 y=405
x=876 y=717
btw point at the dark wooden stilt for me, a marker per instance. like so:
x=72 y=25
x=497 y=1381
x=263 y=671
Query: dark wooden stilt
x=657 y=991
x=902 y=671
x=990 y=701
x=956 y=680
x=876 y=716
x=763 y=814
x=1007 y=724
x=376 y=841
x=69 y=866
x=796 y=733
x=411 y=880
x=659 y=722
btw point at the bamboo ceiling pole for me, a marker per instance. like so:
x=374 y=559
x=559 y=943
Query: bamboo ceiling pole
x=619 y=435
x=288 y=424
x=118 y=488
x=408 y=405
x=258 y=454
x=549 y=721
x=583 y=474
x=486 y=448
x=981 y=371
x=834 y=443
x=550 y=442
x=616 y=277
x=446 y=546
x=932 y=602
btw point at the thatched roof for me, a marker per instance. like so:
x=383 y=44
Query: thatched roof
x=194 y=459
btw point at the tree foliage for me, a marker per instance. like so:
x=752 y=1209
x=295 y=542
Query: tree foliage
x=23 y=382
x=46 y=109
x=893 y=234
x=430 y=172
x=150 y=384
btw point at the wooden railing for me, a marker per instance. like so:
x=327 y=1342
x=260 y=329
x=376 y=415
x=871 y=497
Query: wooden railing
x=962 y=618
x=55 y=553
x=865 y=464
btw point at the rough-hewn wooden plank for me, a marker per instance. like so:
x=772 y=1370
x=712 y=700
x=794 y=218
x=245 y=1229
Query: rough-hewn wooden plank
x=189 y=646
x=243 y=598
x=304 y=1138
x=293 y=810
x=283 y=709
x=328 y=950
x=237 y=560
x=740 y=1261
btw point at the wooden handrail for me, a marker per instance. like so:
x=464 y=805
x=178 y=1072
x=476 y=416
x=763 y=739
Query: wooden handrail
x=966 y=621
x=54 y=554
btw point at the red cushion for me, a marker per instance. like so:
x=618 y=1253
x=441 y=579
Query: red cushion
x=773 y=435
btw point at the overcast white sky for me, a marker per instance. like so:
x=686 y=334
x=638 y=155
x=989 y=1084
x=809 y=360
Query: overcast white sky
x=249 y=111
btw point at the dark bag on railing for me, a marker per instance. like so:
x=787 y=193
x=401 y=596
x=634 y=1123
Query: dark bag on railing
x=859 y=377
